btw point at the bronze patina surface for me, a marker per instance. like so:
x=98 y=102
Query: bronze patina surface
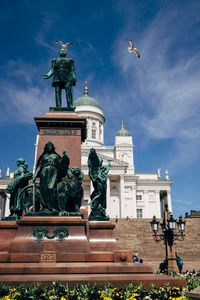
x=64 y=77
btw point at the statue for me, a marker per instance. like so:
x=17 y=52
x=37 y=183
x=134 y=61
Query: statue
x=47 y=169
x=60 y=189
x=64 y=73
x=16 y=189
x=70 y=190
x=97 y=174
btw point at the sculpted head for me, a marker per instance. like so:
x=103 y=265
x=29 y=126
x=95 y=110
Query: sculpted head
x=20 y=161
x=63 y=52
x=49 y=147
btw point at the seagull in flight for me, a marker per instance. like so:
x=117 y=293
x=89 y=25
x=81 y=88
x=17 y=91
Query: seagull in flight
x=64 y=46
x=133 y=49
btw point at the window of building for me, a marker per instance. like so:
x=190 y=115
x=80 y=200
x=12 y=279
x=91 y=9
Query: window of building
x=93 y=124
x=93 y=134
x=139 y=213
x=86 y=201
x=138 y=197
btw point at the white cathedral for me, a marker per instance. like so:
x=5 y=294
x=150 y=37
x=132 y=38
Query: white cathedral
x=130 y=194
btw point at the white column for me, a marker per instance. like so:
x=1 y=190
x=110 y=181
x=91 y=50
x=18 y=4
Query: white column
x=158 y=208
x=7 y=209
x=169 y=201
x=108 y=196
x=146 y=211
x=121 y=200
x=134 y=201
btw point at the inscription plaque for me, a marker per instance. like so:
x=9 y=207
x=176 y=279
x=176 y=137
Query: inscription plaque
x=48 y=257
x=60 y=132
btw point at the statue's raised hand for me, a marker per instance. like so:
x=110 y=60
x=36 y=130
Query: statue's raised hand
x=45 y=76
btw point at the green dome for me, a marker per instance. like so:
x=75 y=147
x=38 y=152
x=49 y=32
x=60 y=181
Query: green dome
x=86 y=100
x=123 y=132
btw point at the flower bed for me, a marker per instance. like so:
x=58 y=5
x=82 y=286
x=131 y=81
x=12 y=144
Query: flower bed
x=95 y=292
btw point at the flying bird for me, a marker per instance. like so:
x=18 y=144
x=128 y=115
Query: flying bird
x=133 y=49
x=64 y=46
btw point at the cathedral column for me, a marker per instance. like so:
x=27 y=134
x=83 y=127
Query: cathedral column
x=134 y=202
x=158 y=208
x=108 y=195
x=7 y=207
x=169 y=201
x=145 y=197
x=146 y=204
x=121 y=200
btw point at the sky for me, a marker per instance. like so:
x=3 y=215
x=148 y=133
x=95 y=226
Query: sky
x=156 y=96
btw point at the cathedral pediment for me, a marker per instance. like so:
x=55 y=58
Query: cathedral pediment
x=114 y=162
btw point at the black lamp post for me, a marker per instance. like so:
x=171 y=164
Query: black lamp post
x=169 y=235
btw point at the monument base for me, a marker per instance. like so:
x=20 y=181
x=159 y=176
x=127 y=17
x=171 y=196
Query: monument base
x=69 y=249
x=61 y=109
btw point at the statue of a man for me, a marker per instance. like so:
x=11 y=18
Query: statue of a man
x=64 y=73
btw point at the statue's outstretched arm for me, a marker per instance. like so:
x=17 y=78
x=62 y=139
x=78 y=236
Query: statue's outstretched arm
x=49 y=74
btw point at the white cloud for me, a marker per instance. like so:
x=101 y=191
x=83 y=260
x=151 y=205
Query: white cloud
x=22 y=94
x=166 y=80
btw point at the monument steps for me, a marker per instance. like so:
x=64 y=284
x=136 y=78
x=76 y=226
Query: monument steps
x=74 y=268
x=117 y=280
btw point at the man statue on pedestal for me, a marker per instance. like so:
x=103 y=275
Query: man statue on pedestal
x=64 y=73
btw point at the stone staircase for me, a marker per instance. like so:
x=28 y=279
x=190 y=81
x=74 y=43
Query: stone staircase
x=136 y=235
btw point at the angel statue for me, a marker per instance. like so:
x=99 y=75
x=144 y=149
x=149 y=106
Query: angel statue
x=97 y=173
x=64 y=73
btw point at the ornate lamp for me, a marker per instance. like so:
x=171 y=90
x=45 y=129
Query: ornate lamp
x=154 y=225
x=171 y=223
x=169 y=234
x=181 y=224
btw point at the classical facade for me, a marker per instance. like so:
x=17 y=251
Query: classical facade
x=130 y=193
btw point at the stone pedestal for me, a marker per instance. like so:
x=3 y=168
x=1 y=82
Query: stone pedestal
x=88 y=252
x=71 y=249
x=66 y=130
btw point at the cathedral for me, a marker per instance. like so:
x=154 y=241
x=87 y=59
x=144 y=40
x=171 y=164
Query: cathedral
x=130 y=194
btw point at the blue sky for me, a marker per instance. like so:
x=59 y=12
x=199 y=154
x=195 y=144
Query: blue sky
x=157 y=96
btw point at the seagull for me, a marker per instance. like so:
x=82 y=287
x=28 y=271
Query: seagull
x=133 y=49
x=64 y=46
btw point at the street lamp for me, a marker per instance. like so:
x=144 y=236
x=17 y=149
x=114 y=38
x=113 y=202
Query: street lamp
x=169 y=235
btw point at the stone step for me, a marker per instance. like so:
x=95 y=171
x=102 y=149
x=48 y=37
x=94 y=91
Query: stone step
x=73 y=279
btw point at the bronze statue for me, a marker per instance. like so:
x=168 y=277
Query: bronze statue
x=97 y=173
x=64 y=73
x=60 y=188
x=70 y=190
x=16 y=188
x=58 y=191
x=47 y=169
